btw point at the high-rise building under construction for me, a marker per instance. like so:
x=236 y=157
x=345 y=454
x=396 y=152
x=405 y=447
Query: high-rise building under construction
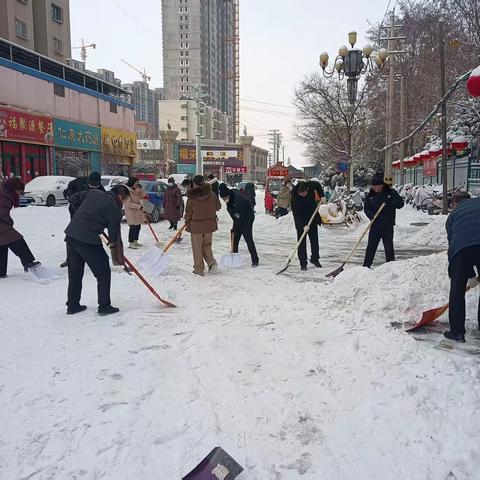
x=201 y=47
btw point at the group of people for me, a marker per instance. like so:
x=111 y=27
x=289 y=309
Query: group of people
x=94 y=211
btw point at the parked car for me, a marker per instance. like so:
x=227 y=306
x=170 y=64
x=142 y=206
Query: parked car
x=153 y=201
x=47 y=190
x=110 y=181
x=26 y=201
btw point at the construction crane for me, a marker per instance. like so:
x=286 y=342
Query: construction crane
x=83 y=50
x=146 y=78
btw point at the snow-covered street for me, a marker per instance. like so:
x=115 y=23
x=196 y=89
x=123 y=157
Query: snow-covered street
x=295 y=376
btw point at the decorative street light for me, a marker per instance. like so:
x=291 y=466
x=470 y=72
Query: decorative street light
x=351 y=63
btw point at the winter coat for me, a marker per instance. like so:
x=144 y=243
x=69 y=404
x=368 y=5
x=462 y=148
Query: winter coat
x=240 y=210
x=283 y=197
x=134 y=208
x=76 y=186
x=7 y=233
x=172 y=202
x=304 y=207
x=373 y=202
x=463 y=227
x=201 y=210
x=94 y=211
x=214 y=183
x=249 y=193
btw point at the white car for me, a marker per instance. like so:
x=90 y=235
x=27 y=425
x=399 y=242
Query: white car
x=110 y=181
x=47 y=190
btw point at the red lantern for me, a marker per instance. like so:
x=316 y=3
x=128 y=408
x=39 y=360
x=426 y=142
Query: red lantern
x=425 y=155
x=473 y=83
x=436 y=152
x=459 y=143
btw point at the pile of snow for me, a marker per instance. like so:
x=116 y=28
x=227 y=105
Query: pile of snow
x=433 y=235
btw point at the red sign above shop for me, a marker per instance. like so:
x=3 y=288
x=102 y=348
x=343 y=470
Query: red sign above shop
x=26 y=127
x=277 y=170
x=235 y=169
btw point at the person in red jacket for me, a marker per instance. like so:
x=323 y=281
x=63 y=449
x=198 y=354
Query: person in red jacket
x=10 y=239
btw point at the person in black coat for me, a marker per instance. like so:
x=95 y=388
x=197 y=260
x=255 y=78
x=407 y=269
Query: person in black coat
x=243 y=217
x=93 y=212
x=463 y=232
x=305 y=198
x=77 y=185
x=383 y=227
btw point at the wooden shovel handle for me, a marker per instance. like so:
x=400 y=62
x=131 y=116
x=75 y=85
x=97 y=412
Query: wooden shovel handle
x=174 y=238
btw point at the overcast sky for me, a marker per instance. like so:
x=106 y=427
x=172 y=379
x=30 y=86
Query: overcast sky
x=280 y=42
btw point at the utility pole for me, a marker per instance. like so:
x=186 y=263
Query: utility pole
x=403 y=149
x=275 y=141
x=283 y=154
x=199 y=159
x=390 y=106
x=444 y=120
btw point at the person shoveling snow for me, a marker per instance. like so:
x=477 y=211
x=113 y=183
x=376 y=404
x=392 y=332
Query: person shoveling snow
x=10 y=239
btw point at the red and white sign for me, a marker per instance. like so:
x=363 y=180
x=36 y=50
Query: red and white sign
x=235 y=169
x=277 y=171
x=26 y=127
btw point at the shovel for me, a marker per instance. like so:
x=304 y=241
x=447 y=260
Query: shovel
x=431 y=315
x=339 y=270
x=42 y=274
x=305 y=231
x=231 y=260
x=156 y=260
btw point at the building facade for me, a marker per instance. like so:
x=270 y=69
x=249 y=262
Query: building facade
x=181 y=116
x=40 y=25
x=145 y=101
x=55 y=119
x=200 y=48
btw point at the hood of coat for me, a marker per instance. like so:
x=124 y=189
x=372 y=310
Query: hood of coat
x=199 y=192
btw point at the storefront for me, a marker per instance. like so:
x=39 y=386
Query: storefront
x=77 y=148
x=224 y=164
x=119 y=149
x=25 y=144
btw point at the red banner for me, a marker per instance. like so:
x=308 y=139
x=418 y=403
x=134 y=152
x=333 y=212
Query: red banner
x=430 y=167
x=235 y=169
x=26 y=127
x=277 y=170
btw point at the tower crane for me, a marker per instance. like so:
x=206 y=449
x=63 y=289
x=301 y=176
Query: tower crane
x=83 y=50
x=146 y=78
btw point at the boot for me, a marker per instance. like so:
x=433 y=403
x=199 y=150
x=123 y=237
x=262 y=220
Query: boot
x=76 y=309
x=456 y=337
x=133 y=246
x=138 y=244
x=108 y=310
x=213 y=268
x=316 y=263
x=33 y=264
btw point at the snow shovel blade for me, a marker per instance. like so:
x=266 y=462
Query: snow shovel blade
x=231 y=260
x=150 y=256
x=284 y=269
x=42 y=274
x=155 y=261
x=336 y=272
x=428 y=317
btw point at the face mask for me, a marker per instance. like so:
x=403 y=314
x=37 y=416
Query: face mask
x=170 y=183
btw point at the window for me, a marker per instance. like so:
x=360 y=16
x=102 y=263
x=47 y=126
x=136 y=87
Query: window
x=113 y=107
x=184 y=129
x=57 y=45
x=21 y=28
x=183 y=105
x=59 y=90
x=57 y=13
x=183 y=117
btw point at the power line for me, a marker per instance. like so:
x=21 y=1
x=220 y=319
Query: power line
x=267 y=103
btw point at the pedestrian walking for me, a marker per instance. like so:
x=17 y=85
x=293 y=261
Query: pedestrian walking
x=10 y=239
x=94 y=211
x=283 y=199
x=304 y=200
x=172 y=203
x=201 y=220
x=243 y=217
x=463 y=232
x=134 y=212
x=214 y=183
x=383 y=227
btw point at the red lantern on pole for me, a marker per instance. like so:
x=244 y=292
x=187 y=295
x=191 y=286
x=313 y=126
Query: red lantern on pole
x=459 y=143
x=473 y=83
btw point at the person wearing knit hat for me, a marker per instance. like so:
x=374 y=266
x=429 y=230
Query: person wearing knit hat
x=243 y=216
x=383 y=226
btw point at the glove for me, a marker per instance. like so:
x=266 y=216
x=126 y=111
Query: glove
x=116 y=251
x=473 y=282
x=306 y=228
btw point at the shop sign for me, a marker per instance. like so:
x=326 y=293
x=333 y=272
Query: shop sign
x=210 y=157
x=219 y=154
x=235 y=169
x=430 y=167
x=119 y=142
x=186 y=168
x=26 y=127
x=277 y=171
x=76 y=136
x=149 y=145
